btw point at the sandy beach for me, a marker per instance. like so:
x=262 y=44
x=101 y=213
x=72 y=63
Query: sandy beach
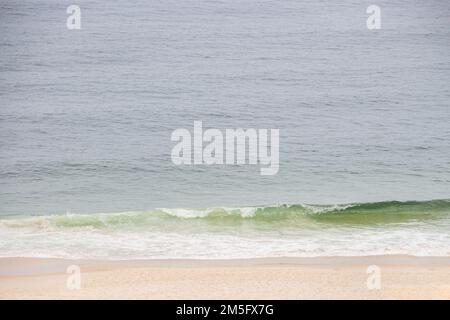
x=401 y=277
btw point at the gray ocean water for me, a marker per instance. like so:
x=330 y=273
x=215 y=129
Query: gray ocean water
x=86 y=118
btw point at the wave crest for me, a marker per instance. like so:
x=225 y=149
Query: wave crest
x=356 y=213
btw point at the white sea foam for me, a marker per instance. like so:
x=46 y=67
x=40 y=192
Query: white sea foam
x=227 y=232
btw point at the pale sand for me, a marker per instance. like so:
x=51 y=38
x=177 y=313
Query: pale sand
x=402 y=277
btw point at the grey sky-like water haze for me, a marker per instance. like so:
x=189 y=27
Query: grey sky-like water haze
x=86 y=115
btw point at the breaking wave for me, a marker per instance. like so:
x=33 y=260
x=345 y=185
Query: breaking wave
x=357 y=213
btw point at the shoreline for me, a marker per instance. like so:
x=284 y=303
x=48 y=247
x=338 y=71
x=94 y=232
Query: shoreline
x=401 y=277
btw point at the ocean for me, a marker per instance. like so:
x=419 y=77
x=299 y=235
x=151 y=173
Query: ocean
x=86 y=118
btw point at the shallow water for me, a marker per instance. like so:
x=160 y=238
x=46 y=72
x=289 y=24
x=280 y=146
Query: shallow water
x=414 y=228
